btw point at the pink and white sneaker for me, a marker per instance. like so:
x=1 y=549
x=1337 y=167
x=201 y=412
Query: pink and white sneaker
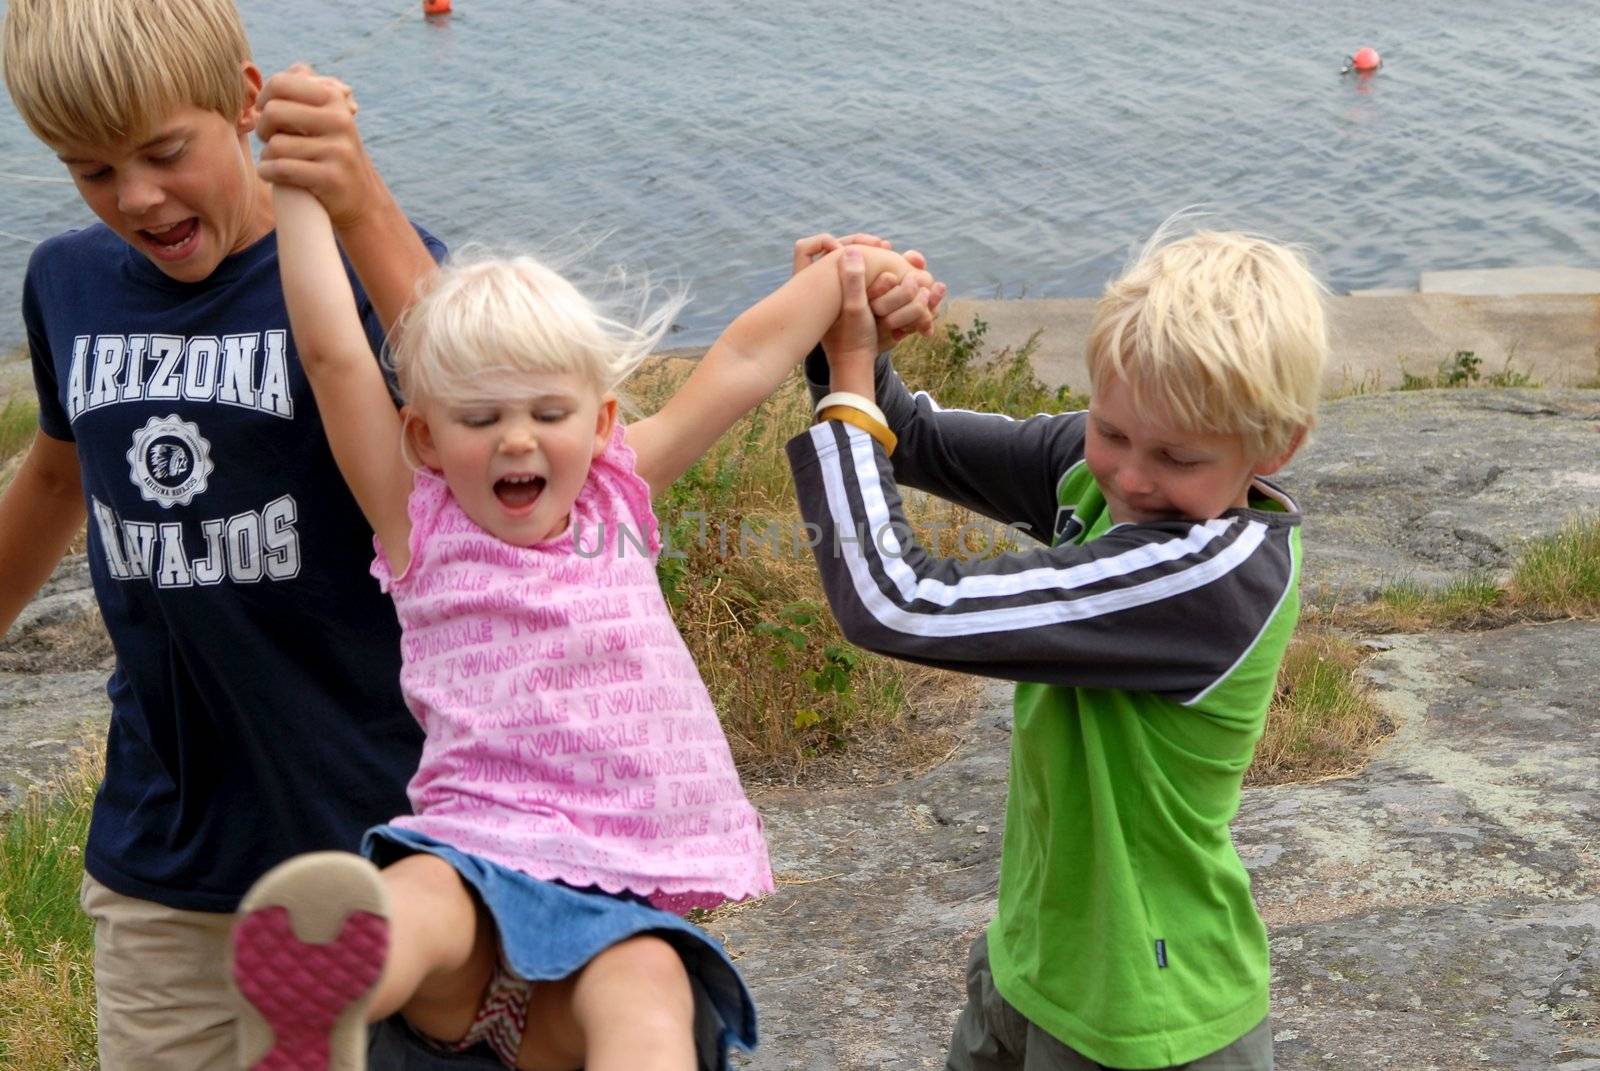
x=308 y=949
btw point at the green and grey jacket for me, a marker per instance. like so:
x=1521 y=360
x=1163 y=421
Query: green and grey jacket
x=1146 y=656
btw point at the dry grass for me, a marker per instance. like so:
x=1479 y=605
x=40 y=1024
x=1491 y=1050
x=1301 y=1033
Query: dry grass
x=1323 y=721
x=957 y=370
x=796 y=701
x=47 y=1015
x=1474 y=601
x=19 y=420
x=67 y=647
x=19 y=417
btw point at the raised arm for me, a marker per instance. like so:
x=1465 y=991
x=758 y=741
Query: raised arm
x=1007 y=470
x=1167 y=607
x=359 y=417
x=746 y=364
x=953 y=453
x=308 y=123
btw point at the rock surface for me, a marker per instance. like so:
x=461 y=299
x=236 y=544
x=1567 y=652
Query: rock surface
x=43 y=715
x=1431 y=485
x=1438 y=910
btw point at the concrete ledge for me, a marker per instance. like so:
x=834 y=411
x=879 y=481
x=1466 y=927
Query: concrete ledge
x=1553 y=337
x=1506 y=282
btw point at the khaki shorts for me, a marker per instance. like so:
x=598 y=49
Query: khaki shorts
x=161 y=984
x=991 y=1035
x=165 y=1002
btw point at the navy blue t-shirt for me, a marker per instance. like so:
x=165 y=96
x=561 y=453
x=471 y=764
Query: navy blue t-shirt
x=256 y=707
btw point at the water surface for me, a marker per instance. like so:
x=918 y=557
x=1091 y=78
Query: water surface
x=1025 y=145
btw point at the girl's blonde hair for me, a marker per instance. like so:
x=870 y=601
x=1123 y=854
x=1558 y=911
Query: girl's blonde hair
x=485 y=322
x=102 y=71
x=1223 y=332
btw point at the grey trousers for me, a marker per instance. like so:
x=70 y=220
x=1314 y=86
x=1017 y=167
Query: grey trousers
x=991 y=1035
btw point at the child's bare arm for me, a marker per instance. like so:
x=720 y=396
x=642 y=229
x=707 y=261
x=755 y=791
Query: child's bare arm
x=359 y=417
x=39 y=511
x=747 y=363
x=901 y=304
x=308 y=125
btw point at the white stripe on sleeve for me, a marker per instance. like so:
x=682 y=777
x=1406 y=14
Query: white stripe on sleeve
x=1006 y=619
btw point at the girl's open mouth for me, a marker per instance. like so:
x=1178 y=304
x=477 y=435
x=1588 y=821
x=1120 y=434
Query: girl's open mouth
x=173 y=242
x=518 y=492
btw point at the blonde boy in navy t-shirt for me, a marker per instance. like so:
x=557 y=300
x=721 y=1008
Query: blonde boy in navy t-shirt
x=255 y=707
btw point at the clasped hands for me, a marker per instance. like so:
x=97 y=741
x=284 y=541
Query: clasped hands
x=900 y=305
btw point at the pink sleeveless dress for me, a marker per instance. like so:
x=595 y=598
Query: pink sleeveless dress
x=569 y=735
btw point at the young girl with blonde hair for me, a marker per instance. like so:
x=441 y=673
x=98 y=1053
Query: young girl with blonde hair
x=576 y=793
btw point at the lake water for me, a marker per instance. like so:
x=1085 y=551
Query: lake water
x=1025 y=145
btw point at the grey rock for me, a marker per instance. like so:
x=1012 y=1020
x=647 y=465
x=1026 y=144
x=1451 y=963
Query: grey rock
x=1426 y=486
x=66 y=598
x=42 y=718
x=1436 y=911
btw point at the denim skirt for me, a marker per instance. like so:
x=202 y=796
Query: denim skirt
x=549 y=930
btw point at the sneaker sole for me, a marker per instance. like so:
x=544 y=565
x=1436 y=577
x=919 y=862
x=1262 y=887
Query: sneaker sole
x=308 y=950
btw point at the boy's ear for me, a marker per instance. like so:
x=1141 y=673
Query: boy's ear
x=1273 y=464
x=418 y=437
x=248 y=112
x=604 y=421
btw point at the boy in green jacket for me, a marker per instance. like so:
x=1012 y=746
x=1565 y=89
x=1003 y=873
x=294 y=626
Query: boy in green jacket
x=1145 y=632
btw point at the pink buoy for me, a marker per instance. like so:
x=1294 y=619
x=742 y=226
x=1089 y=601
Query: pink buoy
x=1366 y=59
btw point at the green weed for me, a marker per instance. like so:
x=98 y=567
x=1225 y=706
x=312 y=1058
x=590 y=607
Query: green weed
x=1465 y=369
x=1559 y=576
x=47 y=1016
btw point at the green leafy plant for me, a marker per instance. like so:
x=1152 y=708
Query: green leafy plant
x=798 y=645
x=1465 y=369
x=962 y=347
x=826 y=668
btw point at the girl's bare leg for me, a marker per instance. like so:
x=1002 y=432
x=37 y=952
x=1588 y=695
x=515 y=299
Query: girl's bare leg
x=442 y=949
x=630 y=1009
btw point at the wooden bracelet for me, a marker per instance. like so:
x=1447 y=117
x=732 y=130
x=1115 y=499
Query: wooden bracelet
x=861 y=420
x=852 y=401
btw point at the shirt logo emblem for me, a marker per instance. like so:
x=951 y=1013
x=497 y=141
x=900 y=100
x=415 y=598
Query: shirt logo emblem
x=169 y=461
x=1067 y=526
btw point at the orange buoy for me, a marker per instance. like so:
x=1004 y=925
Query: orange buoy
x=1365 y=59
x=436 y=7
